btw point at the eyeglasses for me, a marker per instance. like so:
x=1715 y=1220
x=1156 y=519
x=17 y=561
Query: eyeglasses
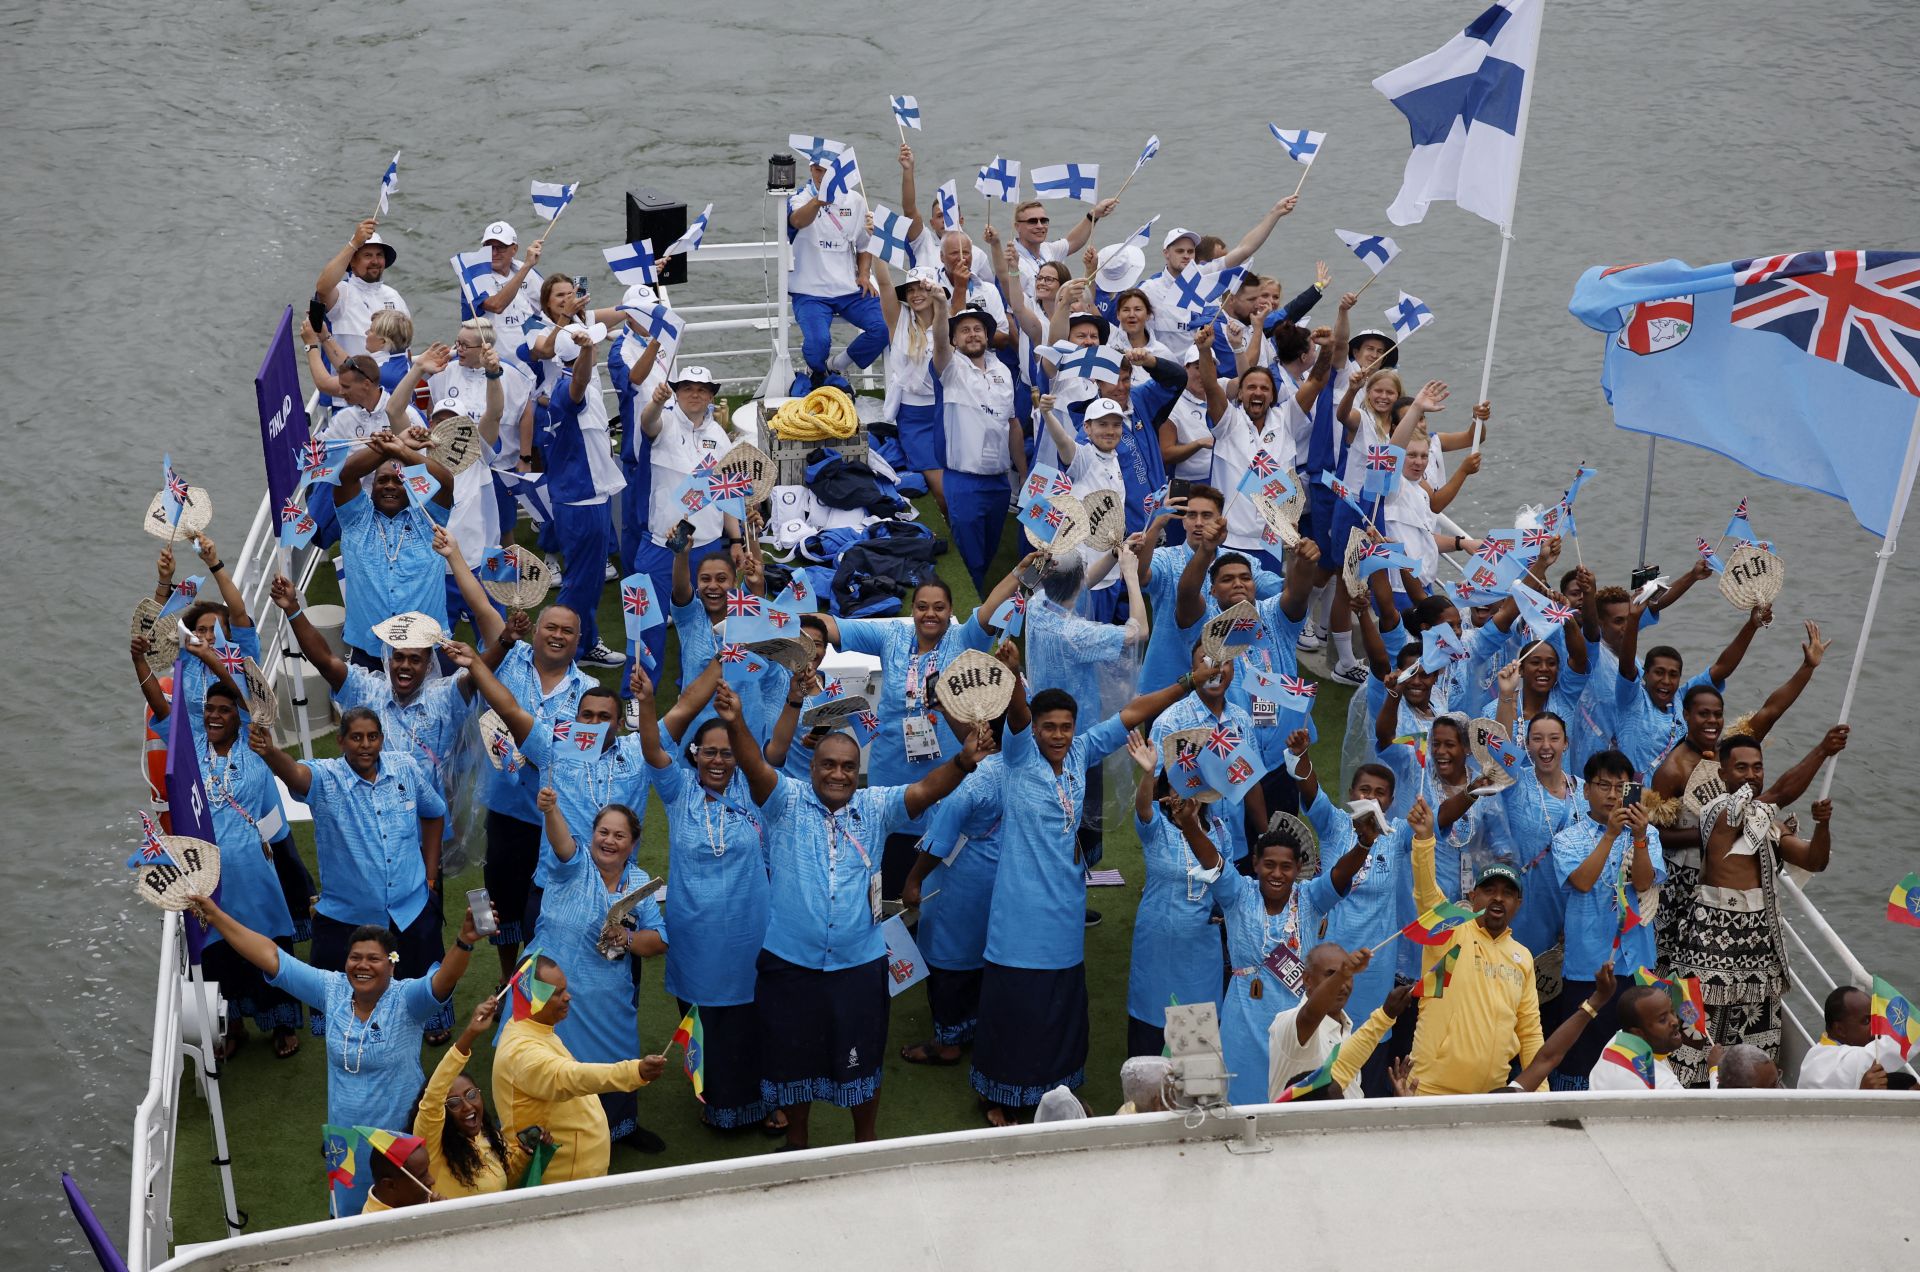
x=469 y=344
x=709 y=753
x=471 y=1097
x=1036 y=220
x=1607 y=788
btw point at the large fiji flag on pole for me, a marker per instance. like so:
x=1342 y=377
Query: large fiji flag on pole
x=1466 y=104
x=1804 y=368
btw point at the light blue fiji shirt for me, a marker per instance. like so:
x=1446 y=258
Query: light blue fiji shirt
x=821 y=862
x=717 y=859
x=1594 y=917
x=241 y=795
x=1641 y=730
x=1522 y=834
x=1378 y=903
x=366 y=839
x=616 y=772
x=391 y=567
x=956 y=897
x=1169 y=648
x=1038 y=919
x=1065 y=651
x=373 y=1065
x=429 y=726
x=507 y=793
x=1191 y=713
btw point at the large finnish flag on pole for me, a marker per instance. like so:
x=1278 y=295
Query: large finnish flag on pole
x=1804 y=368
x=1466 y=104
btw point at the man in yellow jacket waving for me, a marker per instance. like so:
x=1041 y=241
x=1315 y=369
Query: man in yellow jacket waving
x=1467 y=1039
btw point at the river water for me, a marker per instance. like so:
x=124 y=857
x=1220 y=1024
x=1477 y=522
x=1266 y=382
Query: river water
x=177 y=173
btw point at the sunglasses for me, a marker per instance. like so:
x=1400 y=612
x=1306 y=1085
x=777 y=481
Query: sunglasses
x=1036 y=220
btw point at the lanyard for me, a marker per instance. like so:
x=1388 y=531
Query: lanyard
x=916 y=676
x=835 y=832
x=1560 y=819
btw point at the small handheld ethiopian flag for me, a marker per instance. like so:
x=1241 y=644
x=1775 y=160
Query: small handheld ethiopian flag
x=395 y=1148
x=1629 y=917
x=1313 y=1081
x=1632 y=1053
x=1432 y=927
x=1904 y=905
x=336 y=1144
x=1893 y=1017
x=689 y=1037
x=1434 y=983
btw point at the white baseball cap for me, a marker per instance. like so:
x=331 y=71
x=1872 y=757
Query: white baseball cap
x=448 y=404
x=1177 y=233
x=499 y=232
x=691 y=375
x=1103 y=407
x=1191 y=356
x=640 y=294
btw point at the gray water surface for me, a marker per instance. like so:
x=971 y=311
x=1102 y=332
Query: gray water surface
x=176 y=173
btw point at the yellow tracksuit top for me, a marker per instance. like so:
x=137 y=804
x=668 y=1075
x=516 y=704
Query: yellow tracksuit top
x=430 y=1121
x=537 y=1082
x=1465 y=1041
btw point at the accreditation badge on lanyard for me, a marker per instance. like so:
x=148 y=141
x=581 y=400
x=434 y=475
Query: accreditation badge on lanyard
x=1284 y=960
x=922 y=740
x=873 y=876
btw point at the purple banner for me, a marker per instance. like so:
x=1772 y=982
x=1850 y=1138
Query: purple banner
x=283 y=412
x=187 y=810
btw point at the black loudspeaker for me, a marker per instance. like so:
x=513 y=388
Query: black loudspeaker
x=660 y=220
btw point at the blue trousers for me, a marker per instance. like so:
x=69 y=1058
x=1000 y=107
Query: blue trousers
x=815 y=314
x=977 y=513
x=584 y=536
x=657 y=564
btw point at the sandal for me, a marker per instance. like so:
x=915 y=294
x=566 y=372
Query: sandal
x=438 y=1038
x=998 y=1116
x=926 y=1053
x=286 y=1044
x=230 y=1044
x=771 y=1128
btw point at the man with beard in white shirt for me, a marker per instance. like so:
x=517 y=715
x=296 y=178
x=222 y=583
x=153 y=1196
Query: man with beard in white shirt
x=351 y=287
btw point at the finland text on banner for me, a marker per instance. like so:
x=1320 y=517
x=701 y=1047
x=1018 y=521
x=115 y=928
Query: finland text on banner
x=1466 y=105
x=1804 y=368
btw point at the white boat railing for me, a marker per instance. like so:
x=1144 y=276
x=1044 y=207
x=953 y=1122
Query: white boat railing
x=155 y=1120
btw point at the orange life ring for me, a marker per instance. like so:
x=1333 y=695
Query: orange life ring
x=155 y=747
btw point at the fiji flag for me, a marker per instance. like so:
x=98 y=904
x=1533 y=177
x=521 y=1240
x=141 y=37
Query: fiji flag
x=1466 y=104
x=906 y=110
x=1542 y=616
x=1383 y=465
x=421 y=485
x=632 y=262
x=1802 y=368
x=639 y=607
x=550 y=200
x=1376 y=251
x=174 y=493
x=297 y=525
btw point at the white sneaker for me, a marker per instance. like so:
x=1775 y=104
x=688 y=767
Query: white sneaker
x=601 y=656
x=1312 y=638
x=1354 y=673
x=630 y=713
x=613 y=572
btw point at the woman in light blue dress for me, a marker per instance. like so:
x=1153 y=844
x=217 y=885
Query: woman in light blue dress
x=1176 y=949
x=374 y=1023
x=604 y=1025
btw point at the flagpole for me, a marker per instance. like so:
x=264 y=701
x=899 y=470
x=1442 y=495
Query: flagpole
x=1646 y=500
x=1888 y=543
x=555 y=221
x=1363 y=287
x=1128 y=181
x=1506 y=227
x=1302 y=181
x=1493 y=324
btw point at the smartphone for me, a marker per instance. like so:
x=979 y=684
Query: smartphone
x=317 y=315
x=1631 y=795
x=481 y=906
x=530 y=1138
x=1178 y=488
x=580 y=285
x=1642 y=576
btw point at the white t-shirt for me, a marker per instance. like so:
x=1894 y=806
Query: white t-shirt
x=1831 y=1066
x=355 y=302
x=1094 y=469
x=909 y=379
x=978 y=404
x=1370 y=433
x=1189 y=420
x=509 y=325
x=824 y=252
x=680 y=448
x=1410 y=518
x=1288 y=1057
x=1234 y=444
x=348 y=421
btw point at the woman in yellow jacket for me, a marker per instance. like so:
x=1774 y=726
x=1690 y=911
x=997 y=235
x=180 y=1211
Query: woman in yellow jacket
x=465 y=1149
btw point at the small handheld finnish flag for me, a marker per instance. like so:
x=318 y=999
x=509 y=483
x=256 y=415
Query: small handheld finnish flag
x=1375 y=251
x=949 y=198
x=631 y=262
x=690 y=241
x=1143 y=236
x=1151 y=149
x=470 y=268
x=1408 y=315
x=390 y=182
x=550 y=200
x=1099 y=363
x=842 y=176
x=1301 y=145
x=889 y=237
x=999 y=180
x=907 y=111
x=662 y=325
x=813 y=147
x=1067 y=181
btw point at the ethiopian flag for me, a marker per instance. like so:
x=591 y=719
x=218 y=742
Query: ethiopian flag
x=1689 y=1001
x=395 y=1148
x=1629 y=917
x=336 y=1143
x=689 y=1037
x=1418 y=741
x=1893 y=1017
x=1313 y=1081
x=1904 y=905
x=529 y=995
x=1632 y=1053
x=1432 y=927
x=1434 y=983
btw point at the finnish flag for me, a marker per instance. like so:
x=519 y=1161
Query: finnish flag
x=1067 y=181
x=1151 y=149
x=1099 y=363
x=999 y=180
x=1408 y=315
x=390 y=182
x=1374 y=250
x=530 y=489
x=1302 y=145
x=889 y=238
x=551 y=200
x=843 y=174
x=662 y=324
x=907 y=111
x=690 y=241
x=471 y=267
x=1466 y=105
x=1141 y=237
x=949 y=196
x=815 y=147
x=631 y=262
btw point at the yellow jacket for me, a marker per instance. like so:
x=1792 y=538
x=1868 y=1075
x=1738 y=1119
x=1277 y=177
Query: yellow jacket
x=537 y=1082
x=1465 y=1042
x=429 y=1123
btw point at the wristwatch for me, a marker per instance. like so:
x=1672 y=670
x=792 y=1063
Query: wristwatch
x=460 y=944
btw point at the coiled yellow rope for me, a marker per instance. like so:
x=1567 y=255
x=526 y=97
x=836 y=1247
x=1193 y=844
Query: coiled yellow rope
x=824 y=414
